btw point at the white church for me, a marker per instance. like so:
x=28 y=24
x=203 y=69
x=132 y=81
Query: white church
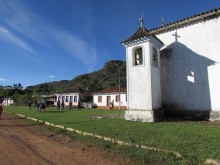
x=174 y=70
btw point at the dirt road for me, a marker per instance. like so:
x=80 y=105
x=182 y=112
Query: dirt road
x=27 y=143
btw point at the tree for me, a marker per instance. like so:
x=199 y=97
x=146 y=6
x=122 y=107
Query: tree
x=20 y=86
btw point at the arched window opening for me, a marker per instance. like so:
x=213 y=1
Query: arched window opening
x=138 y=56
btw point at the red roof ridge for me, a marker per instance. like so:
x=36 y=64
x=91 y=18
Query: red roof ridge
x=114 y=89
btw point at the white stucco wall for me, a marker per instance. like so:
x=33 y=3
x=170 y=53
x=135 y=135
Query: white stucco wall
x=190 y=71
x=112 y=97
x=74 y=103
x=8 y=101
x=139 y=79
x=143 y=81
x=155 y=81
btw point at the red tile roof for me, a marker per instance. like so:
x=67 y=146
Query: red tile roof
x=141 y=33
x=111 y=90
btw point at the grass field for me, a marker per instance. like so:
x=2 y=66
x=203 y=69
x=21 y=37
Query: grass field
x=196 y=141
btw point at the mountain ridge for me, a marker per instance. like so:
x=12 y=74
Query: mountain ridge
x=107 y=77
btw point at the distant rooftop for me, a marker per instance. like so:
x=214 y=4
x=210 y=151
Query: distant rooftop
x=111 y=90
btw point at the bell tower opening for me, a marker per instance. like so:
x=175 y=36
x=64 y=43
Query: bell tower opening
x=138 y=57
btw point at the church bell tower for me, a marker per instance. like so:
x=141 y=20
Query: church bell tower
x=143 y=75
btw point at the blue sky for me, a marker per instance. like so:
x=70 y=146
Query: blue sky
x=51 y=40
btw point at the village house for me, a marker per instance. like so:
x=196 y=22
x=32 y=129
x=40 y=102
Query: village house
x=67 y=97
x=173 y=70
x=75 y=97
x=8 y=101
x=102 y=99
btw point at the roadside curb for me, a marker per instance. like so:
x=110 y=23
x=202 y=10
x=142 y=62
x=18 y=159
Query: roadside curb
x=107 y=139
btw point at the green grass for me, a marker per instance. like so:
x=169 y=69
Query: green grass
x=197 y=141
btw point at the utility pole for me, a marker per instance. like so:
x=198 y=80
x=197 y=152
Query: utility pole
x=119 y=85
x=119 y=88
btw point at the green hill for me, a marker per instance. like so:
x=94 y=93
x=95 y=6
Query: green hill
x=107 y=77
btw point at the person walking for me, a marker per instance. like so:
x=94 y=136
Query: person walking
x=79 y=104
x=1 y=107
x=29 y=104
x=70 y=105
x=112 y=104
x=62 y=104
x=58 y=104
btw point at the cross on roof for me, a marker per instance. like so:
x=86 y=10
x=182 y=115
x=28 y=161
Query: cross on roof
x=142 y=21
x=162 y=21
x=176 y=36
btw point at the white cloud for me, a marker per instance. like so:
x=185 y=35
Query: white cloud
x=33 y=27
x=3 y=79
x=76 y=47
x=3 y=30
x=51 y=76
x=7 y=35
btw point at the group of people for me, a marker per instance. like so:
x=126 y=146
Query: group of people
x=40 y=106
x=62 y=105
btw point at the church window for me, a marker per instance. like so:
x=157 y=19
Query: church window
x=138 y=57
x=155 y=57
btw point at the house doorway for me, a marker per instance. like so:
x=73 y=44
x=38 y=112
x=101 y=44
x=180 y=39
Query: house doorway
x=108 y=100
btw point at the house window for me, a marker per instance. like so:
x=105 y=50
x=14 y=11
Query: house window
x=155 y=57
x=71 y=98
x=63 y=98
x=75 y=99
x=138 y=57
x=117 y=99
x=99 y=99
x=67 y=99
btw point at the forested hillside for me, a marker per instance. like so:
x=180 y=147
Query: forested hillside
x=107 y=77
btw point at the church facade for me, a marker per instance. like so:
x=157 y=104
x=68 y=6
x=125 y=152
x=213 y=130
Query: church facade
x=173 y=70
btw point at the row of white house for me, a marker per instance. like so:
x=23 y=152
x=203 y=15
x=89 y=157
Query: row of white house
x=7 y=101
x=101 y=99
